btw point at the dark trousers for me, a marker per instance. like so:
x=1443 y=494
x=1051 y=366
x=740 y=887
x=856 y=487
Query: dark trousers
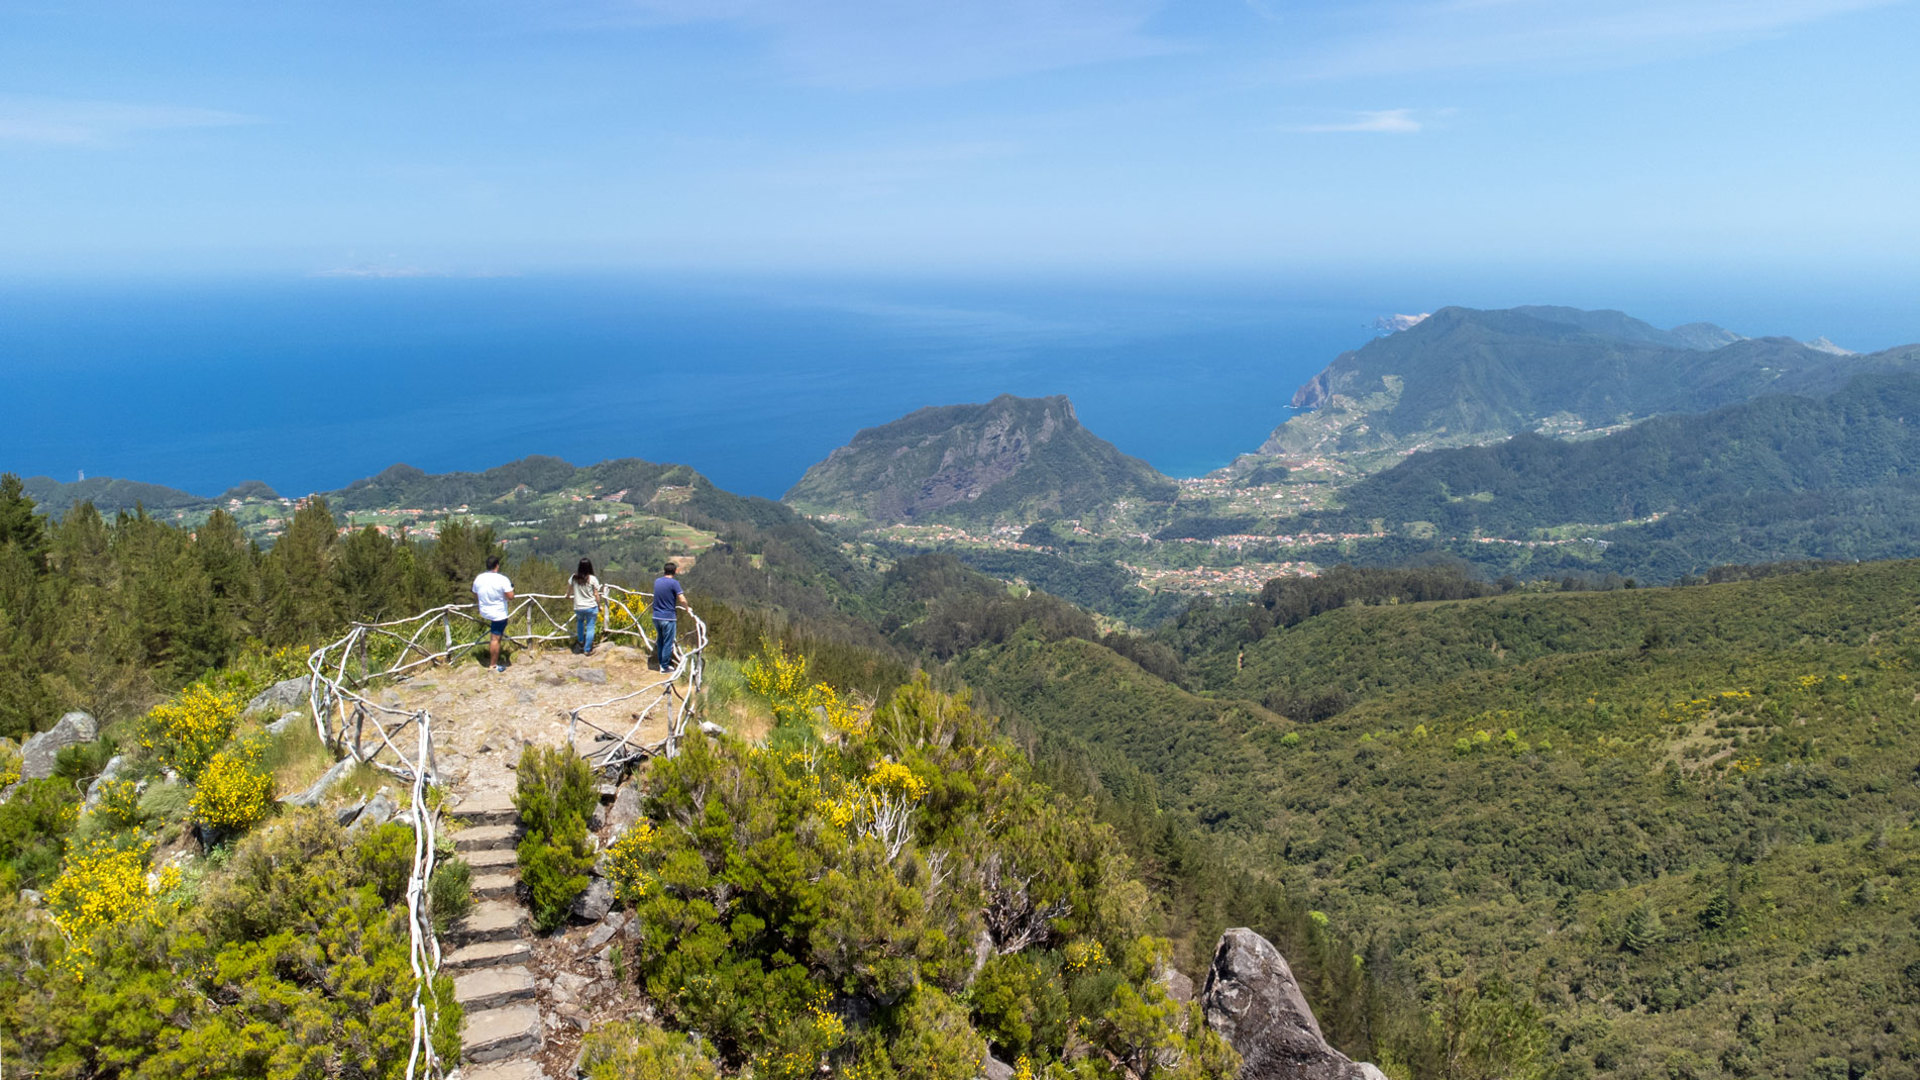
x=663 y=637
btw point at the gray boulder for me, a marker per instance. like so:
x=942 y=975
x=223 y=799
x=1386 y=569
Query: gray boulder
x=107 y=776
x=995 y=1069
x=1252 y=1000
x=36 y=757
x=378 y=811
x=283 y=695
x=286 y=721
x=626 y=808
x=593 y=905
x=1179 y=986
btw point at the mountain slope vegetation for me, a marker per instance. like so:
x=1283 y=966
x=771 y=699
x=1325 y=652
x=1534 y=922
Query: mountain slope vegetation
x=1465 y=376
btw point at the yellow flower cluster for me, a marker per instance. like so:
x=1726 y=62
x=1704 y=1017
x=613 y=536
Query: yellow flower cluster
x=1023 y=1068
x=774 y=674
x=627 y=863
x=234 y=791
x=781 y=678
x=1808 y=682
x=186 y=732
x=1744 y=765
x=1084 y=956
x=120 y=803
x=843 y=716
x=101 y=886
x=1681 y=711
x=9 y=762
x=827 y=1028
x=893 y=778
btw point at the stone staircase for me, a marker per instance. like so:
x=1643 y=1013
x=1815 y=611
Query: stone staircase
x=492 y=947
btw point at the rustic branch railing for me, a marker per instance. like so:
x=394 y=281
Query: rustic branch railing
x=674 y=699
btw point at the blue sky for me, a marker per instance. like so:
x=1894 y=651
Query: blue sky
x=488 y=137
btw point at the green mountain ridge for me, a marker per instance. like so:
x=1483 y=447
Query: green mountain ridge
x=1009 y=460
x=1465 y=376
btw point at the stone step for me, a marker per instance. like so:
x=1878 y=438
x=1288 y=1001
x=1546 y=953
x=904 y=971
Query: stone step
x=514 y=1069
x=486 y=838
x=483 y=954
x=491 y=987
x=497 y=886
x=494 y=1034
x=491 y=857
x=490 y=920
x=490 y=808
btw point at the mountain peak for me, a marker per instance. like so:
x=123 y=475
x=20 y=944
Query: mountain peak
x=1008 y=459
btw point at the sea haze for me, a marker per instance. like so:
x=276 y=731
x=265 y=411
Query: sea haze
x=311 y=383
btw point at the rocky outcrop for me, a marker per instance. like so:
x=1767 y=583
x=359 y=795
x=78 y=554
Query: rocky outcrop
x=1252 y=1000
x=281 y=696
x=37 y=756
x=1011 y=459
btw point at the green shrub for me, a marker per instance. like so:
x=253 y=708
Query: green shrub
x=1021 y=1005
x=33 y=828
x=450 y=893
x=631 y=1050
x=554 y=868
x=556 y=793
x=555 y=785
x=385 y=860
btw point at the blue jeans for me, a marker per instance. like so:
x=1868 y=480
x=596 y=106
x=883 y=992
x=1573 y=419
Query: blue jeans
x=583 y=624
x=663 y=634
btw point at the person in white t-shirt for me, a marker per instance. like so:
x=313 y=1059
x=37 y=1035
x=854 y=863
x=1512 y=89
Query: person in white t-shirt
x=493 y=591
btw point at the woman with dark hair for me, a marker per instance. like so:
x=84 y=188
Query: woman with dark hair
x=586 y=592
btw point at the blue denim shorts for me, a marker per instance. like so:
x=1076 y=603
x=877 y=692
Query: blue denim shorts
x=498 y=627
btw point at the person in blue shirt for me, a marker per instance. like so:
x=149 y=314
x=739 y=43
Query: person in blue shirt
x=668 y=599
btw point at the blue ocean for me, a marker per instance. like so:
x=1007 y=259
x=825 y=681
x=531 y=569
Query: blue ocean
x=311 y=383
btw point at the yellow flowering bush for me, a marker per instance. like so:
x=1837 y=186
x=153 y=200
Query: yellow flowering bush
x=893 y=778
x=186 y=732
x=120 y=803
x=104 y=885
x=1086 y=955
x=235 y=791
x=626 y=858
x=9 y=762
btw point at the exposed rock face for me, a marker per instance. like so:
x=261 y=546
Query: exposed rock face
x=38 y=754
x=281 y=696
x=1252 y=1000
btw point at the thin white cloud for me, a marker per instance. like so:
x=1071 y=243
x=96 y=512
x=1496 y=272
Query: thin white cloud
x=1375 y=122
x=1435 y=35
x=62 y=122
x=859 y=44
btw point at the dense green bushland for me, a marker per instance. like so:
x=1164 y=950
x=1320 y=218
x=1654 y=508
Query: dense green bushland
x=1677 y=822
x=287 y=960
x=894 y=892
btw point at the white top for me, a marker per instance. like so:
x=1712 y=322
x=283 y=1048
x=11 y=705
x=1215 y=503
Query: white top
x=491 y=589
x=585 y=597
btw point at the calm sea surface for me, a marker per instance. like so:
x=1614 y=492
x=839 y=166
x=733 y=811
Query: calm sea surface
x=309 y=384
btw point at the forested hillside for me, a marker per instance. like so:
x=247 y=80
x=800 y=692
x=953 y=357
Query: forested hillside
x=1463 y=376
x=1682 y=817
x=1780 y=477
